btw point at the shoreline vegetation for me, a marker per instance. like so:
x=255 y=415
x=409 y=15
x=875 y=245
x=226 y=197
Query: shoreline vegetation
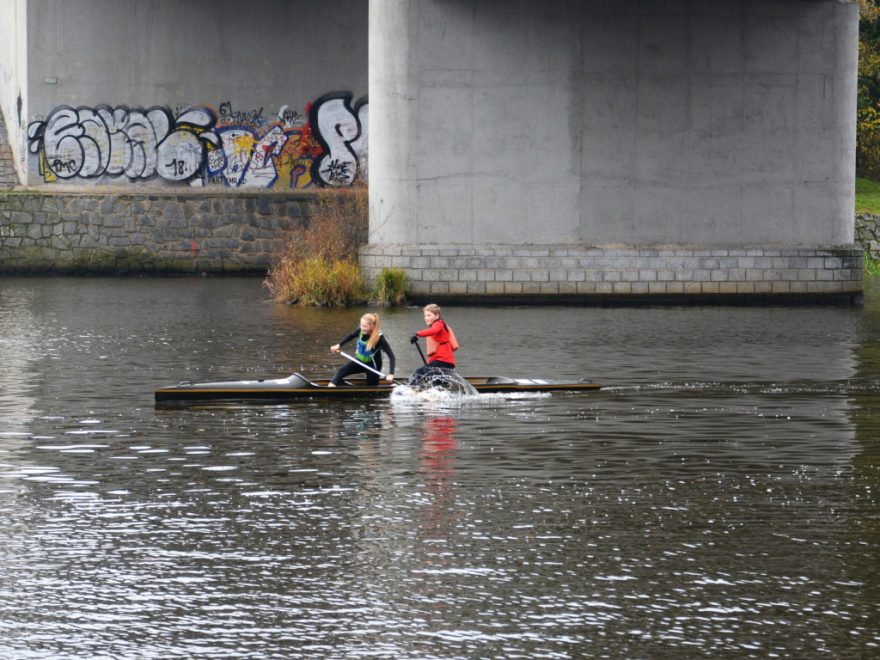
x=319 y=263
x=868 y=203
x=867 y=196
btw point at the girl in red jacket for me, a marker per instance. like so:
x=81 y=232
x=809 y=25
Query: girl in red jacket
x=441 y=341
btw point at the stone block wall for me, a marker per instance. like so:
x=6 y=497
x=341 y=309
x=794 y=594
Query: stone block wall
x=146 y=233
x=200 y=231
x=583 y=273
x=868 y=233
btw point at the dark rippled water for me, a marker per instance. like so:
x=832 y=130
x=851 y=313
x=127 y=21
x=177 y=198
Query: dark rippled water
x=717 y=498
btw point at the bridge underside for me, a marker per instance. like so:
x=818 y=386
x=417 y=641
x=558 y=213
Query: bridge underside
x=595 y=148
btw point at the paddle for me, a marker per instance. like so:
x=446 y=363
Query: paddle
x=362 y=364
x=419 y=348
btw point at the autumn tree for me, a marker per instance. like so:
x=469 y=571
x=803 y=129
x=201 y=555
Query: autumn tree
x=868 y=118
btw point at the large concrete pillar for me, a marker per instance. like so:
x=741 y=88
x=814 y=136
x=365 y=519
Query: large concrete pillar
x=13 y=90
x=600 y=148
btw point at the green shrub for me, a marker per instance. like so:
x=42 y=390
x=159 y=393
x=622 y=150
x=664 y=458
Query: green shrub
x=872 y=268
x=868 y=143
x=391 y=286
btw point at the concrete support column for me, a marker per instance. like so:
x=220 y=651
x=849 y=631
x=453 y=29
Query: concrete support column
x=510 y=135
x=394 y=91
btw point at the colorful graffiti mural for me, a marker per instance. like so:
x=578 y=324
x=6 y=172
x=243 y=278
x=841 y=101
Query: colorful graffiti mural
x=257 y=152
x=325 y=145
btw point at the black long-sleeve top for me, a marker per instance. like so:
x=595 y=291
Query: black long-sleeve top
x=381 y=346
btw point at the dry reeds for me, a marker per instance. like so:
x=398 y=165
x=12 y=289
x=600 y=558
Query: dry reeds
x=319 y=263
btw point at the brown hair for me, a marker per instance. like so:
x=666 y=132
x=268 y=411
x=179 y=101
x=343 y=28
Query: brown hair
x=434 y=309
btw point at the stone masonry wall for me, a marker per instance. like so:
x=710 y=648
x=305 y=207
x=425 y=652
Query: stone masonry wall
x=147 y=233
x=91 y=232
x=868 y=233
x=583 y=273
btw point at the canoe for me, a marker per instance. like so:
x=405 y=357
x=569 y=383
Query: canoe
x=297 y=386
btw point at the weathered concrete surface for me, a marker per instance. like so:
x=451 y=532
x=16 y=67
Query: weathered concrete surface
x=597 y=124
x=652 y=146
x=8 y=174
x=265 y=59
x=13 y=80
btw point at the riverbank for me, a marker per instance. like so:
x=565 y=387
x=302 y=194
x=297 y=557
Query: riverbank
x=194 y=232
x=867 y=224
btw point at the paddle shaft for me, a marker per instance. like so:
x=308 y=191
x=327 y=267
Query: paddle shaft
x=364 y=365
x=422 y=354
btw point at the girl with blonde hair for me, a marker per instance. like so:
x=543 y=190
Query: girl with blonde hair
x=371 y=343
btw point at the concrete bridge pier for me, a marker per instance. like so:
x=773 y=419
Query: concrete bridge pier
x=595 y=149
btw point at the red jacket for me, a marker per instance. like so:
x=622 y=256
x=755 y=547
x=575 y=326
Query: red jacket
x=438 y=342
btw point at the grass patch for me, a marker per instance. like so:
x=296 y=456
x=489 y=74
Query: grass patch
x=868 y=201
x=391 y=286
x=867 y=196
x=872 y=268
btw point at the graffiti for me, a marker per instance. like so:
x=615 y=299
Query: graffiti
x=140 y=144
x=342 y=132
x=328 y=149
x=227 y=115
x=324 y=145
x=246 y=159
x=290 y=117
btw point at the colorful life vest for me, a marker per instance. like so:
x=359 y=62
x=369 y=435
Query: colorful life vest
x=363 y=353
x=445 y=342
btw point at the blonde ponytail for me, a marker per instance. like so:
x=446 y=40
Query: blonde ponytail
x=373 y=320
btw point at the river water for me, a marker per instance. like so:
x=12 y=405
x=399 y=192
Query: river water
x=718 y=497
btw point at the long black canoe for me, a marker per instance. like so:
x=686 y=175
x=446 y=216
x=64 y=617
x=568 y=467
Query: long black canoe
x=297 y=386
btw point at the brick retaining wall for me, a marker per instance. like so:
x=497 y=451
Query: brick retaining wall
x=560 y=272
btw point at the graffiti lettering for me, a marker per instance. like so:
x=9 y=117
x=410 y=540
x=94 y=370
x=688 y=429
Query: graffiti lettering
x=325 y=145
x=92 y=142
x=336 y=171
x=177 y=166
x=62 y=166
x=338 y=128
x=229 y=116
x=251 y=162
x=290 y=118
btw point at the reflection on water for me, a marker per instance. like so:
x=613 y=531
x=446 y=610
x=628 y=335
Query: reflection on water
x=21 y=345
x=718 y=497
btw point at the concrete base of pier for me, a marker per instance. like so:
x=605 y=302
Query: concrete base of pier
x=585 y=274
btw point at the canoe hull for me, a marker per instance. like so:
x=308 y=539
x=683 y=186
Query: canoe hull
x=298 y=386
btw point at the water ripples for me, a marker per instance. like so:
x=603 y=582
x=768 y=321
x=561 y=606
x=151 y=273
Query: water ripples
x=716 y=498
